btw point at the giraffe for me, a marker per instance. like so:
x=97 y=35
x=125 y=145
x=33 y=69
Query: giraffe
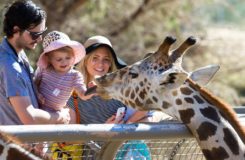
x=11 y=149
x=158 y=82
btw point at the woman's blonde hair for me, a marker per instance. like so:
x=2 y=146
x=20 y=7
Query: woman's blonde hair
x=82 y=65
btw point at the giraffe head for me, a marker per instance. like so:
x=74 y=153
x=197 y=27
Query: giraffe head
x=159 y=82
x=140 y=85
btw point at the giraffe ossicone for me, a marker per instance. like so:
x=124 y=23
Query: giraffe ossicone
x=158 y=82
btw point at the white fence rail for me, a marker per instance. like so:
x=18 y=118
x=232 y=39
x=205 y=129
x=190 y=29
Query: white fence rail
x=166 y=140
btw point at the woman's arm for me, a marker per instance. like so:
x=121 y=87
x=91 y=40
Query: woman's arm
x=130 y=116
x=138 y=116
x=113 y=120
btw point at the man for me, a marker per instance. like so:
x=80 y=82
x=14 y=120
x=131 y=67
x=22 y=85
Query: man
x=24 y=25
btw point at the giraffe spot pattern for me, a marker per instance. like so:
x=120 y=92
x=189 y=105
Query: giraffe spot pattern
x=142 y=94
x=138 y=102
x=175 y=93
x=136 y=89
x=215 y=154
x=132 y=95
x=149 y=101
x=165 y=104
x=127 y=92
x=189 y=100
x=210 y=113
x=186 y=115
x=198 y=99
x=205 y=130
x=231 y=141
x=141 y=84
x=131 y=104
x=178 y=101
x=154 y=99
x=186 y=91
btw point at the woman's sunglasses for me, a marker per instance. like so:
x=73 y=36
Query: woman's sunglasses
x=36 y=35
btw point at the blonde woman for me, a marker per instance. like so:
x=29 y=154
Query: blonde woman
x=101 y=59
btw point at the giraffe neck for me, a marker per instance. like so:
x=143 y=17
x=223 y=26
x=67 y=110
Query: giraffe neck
x=213 y=123
x=225 y=110
x=10 y=149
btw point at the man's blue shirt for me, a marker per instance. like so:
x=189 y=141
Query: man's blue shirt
x=15 y=80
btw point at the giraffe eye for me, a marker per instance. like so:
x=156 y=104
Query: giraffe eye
x=160 y=70
x=134 y=71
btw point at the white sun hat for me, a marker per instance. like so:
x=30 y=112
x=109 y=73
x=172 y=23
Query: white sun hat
x=55 y=40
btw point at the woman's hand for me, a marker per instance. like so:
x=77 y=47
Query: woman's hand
x=113 y=120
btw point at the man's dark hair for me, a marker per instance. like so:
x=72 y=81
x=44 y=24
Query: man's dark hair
x=24 y=14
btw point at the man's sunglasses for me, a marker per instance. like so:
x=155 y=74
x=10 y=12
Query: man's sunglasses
x=36 y=35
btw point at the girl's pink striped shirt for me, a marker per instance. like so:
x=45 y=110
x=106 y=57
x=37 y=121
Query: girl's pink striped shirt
x=57 y=88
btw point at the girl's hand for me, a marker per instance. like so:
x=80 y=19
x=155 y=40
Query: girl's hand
x=63 y=116
x=83 y=97
x=91 y=84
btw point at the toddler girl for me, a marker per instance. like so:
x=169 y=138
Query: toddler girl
x=55 y=77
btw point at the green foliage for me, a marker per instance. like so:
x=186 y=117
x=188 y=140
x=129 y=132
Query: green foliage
x=223 y=12
x=207 y=20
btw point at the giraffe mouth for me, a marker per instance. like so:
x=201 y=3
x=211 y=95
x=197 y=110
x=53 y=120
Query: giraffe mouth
x=102 y=92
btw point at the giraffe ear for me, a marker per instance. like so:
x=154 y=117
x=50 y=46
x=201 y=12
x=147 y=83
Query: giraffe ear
x=173 y=80
x=203 y=75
